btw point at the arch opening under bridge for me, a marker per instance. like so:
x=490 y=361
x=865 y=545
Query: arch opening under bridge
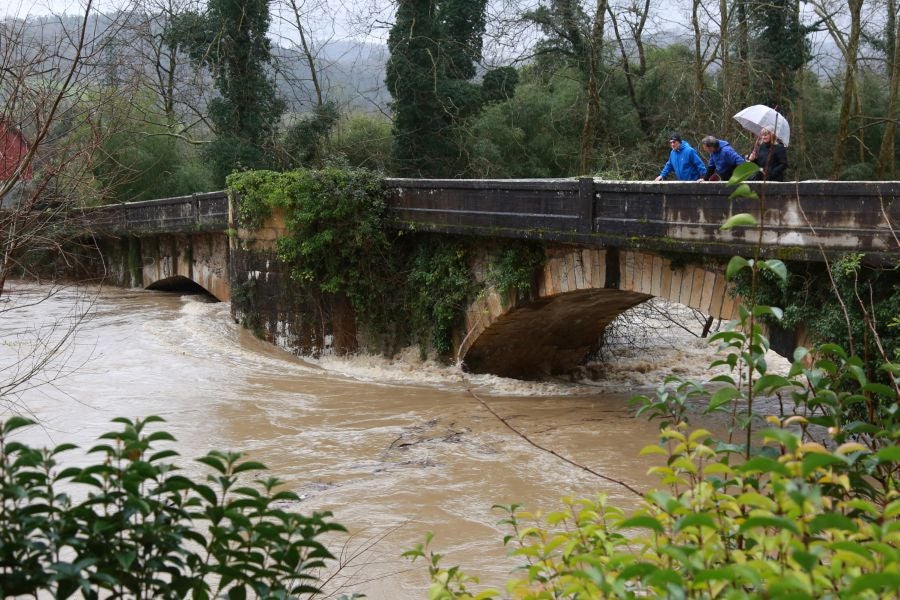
x=578 y=293
x=182 y=284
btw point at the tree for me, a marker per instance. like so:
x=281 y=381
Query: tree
x=780 y=50
x=231 y=40
x=50 y=68
x=434 y=45
x=887 y=155
x=634 y=16
x=848 y=42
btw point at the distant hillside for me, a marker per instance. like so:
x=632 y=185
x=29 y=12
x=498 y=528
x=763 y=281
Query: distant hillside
x=352 y=73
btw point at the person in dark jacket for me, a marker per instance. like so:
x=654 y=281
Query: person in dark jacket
x=722 y=159
x=771 y=156
x=684 y=161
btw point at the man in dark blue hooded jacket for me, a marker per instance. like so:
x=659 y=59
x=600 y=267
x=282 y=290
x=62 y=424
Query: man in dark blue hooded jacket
x=722 y=159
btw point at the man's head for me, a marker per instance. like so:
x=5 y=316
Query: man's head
x=675 y=141
x=710 y=143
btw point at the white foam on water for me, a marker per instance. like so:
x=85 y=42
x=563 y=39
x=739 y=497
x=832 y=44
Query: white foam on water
x=661 y=338
x=650 y=342
x=653 y=340
x=408 y=368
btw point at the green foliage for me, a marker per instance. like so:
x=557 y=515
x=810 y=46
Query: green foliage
x=442 y=283
x=337 y=237
x=780 y=49
x=304 y=140
x=259 y=191
x=512 y=266
x=434 y=46
x=566 y=29
x=230 y=39
x=441 y=286
x=862 y=295
x=499 y=84
x=534 y=134
x=362 y=141
x=402 y=287
x=147 y=163
x=337 y=242
x=128 y=524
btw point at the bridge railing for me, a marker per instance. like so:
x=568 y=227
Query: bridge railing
x=801 y=219
x=205 y=212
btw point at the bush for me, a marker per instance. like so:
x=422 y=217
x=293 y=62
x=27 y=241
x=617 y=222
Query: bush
x=800 y=519
x=128 y=525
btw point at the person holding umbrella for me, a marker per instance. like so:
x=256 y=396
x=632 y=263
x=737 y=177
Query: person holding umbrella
x=722 y=159
x=683 y=160
x=770 y=155
x=774 y=135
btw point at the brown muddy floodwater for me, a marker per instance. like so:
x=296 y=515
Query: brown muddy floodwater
x=394 y=448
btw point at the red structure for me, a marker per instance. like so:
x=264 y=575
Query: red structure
x=13 y=148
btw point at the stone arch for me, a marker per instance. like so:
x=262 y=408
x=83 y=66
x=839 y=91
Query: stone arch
x=168 y=259
x=578 y=293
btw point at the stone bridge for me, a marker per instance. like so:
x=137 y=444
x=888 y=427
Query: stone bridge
x=609 y=247
x=170 y=243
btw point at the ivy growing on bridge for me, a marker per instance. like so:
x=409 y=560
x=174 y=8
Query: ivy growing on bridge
x=403 y=286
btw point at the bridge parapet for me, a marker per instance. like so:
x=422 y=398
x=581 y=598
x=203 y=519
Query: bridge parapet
x=800 y=219
x=196 y=213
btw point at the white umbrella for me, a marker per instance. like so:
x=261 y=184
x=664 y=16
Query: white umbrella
x=759 y=116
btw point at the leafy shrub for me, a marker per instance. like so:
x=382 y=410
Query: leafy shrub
x=129 y=525
x=800 y=519
x=442 y=285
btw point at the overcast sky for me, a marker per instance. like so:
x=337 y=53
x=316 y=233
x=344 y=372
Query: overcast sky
x=369 y=20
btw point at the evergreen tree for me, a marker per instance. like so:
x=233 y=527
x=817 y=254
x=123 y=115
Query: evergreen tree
x=434 y=47
x=780 y=50
x=231 y=40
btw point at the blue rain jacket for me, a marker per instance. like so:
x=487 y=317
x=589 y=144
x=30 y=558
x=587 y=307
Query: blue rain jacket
x=723 y=161
x=686 y=163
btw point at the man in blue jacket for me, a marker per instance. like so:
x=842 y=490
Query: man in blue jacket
x=722 y=159
x=683 y=160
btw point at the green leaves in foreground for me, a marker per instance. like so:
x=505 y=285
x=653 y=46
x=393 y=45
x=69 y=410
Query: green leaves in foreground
x=810 y=508
x=785 y=524
x=128 y=525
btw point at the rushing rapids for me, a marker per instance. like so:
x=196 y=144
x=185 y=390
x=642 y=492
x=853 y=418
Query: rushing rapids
x=395 y=448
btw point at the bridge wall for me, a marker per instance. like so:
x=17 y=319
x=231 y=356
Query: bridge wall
x=606 y=241
x=157 y=242
x=801 y=219
x=268 y=301
x=199 y=257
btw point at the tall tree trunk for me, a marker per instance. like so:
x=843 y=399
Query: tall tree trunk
x=887 y=167
x=728 y=103
x=632 y=74
x=307 y=53
x=699 y=81
x=851 y=51
x=592 y=114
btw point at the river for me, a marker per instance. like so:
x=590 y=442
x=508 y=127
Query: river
x=395 y=448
